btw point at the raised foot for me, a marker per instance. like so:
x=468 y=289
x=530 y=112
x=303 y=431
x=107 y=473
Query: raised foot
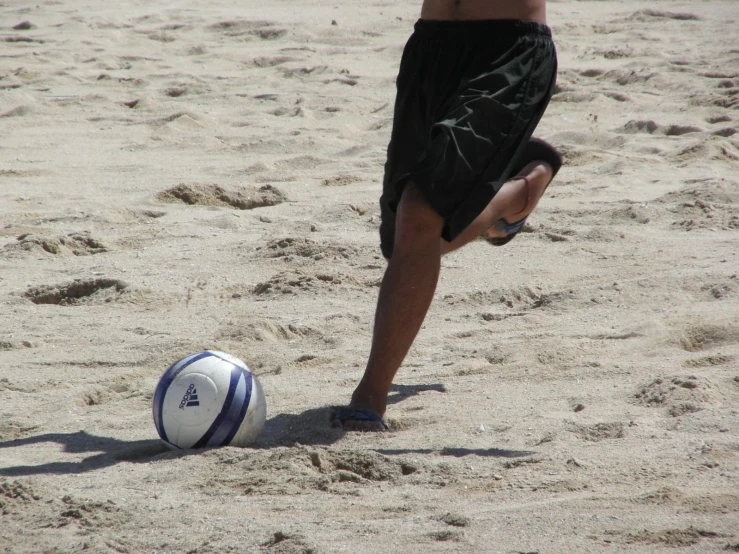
x=520 y=195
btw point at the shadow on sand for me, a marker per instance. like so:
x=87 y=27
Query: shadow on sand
x=310 y=428
x=458 y=452
x=398 y=393
x=108 y=451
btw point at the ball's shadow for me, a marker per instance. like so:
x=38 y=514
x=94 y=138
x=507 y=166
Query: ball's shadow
x=107 y=452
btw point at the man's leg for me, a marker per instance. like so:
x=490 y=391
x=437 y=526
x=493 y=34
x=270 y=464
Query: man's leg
x=411 y=276
x=405 y=296
x=511 y=199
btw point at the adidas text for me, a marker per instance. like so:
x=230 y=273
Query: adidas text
x=190 y=398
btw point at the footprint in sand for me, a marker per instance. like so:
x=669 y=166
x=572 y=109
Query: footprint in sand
x=366 y=465
x=301 y=162
x=709 y=361
x=342 y=81
x=698 y=337
x=654 y=128
x=159 y=36
x=18 y=111
x=178 y=121
x=727 y=98
x=674 y=538
x=175 y=92
x=18 y=38
x=352 y=151
x=306 y=248
x=269 y=61
x=241 y=28
x=91 y=514
x=710 y=205
x=578 y=148
x=95 y=397
x=303 y=72
x=679 y=394
x=520 y=298
x=77 y=244
x=124 y=386
x=617 y=96
x=722 y=503
x=721 y=118
x=136 y=103
x=77 y=292
x=599 y=431
x=24 y=172
x=296 y=282
x=637 y=213
x=615 y=53
x=625 y=77
x=319 y=469
x=652 y=15
x=282 y=541
x=340 y=180
x=271 y=332
x=244 y=198
x=15 y=496
x=725 y=132
x=282 y=111
x=712 y=288
x=10 y=430
x=269 y=33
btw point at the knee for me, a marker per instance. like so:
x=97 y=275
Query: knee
x=416 y=221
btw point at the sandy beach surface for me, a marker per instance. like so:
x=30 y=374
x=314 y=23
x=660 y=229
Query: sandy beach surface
x=180 y=176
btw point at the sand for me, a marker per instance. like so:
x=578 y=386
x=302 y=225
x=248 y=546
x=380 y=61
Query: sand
x=177 y=176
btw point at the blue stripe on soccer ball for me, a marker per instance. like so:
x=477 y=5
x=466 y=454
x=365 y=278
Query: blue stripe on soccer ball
x=169 y=376
x=227 y=422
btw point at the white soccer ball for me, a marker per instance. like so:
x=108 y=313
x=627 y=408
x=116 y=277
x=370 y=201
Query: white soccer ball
x=209 y=399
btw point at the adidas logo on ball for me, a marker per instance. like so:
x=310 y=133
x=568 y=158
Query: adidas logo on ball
x=190 y=398
x=209 y=399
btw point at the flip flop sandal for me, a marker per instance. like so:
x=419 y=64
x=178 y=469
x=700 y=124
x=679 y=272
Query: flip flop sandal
x=350 y=414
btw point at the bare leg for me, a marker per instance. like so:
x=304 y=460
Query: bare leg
x=405 y=296
x=511 y=199
x=412 y=274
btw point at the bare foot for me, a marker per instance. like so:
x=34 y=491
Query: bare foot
x=521 y=202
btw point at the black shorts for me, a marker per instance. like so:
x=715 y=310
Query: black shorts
x=469 y=95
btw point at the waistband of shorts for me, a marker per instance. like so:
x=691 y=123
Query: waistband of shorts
x=516 y=27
